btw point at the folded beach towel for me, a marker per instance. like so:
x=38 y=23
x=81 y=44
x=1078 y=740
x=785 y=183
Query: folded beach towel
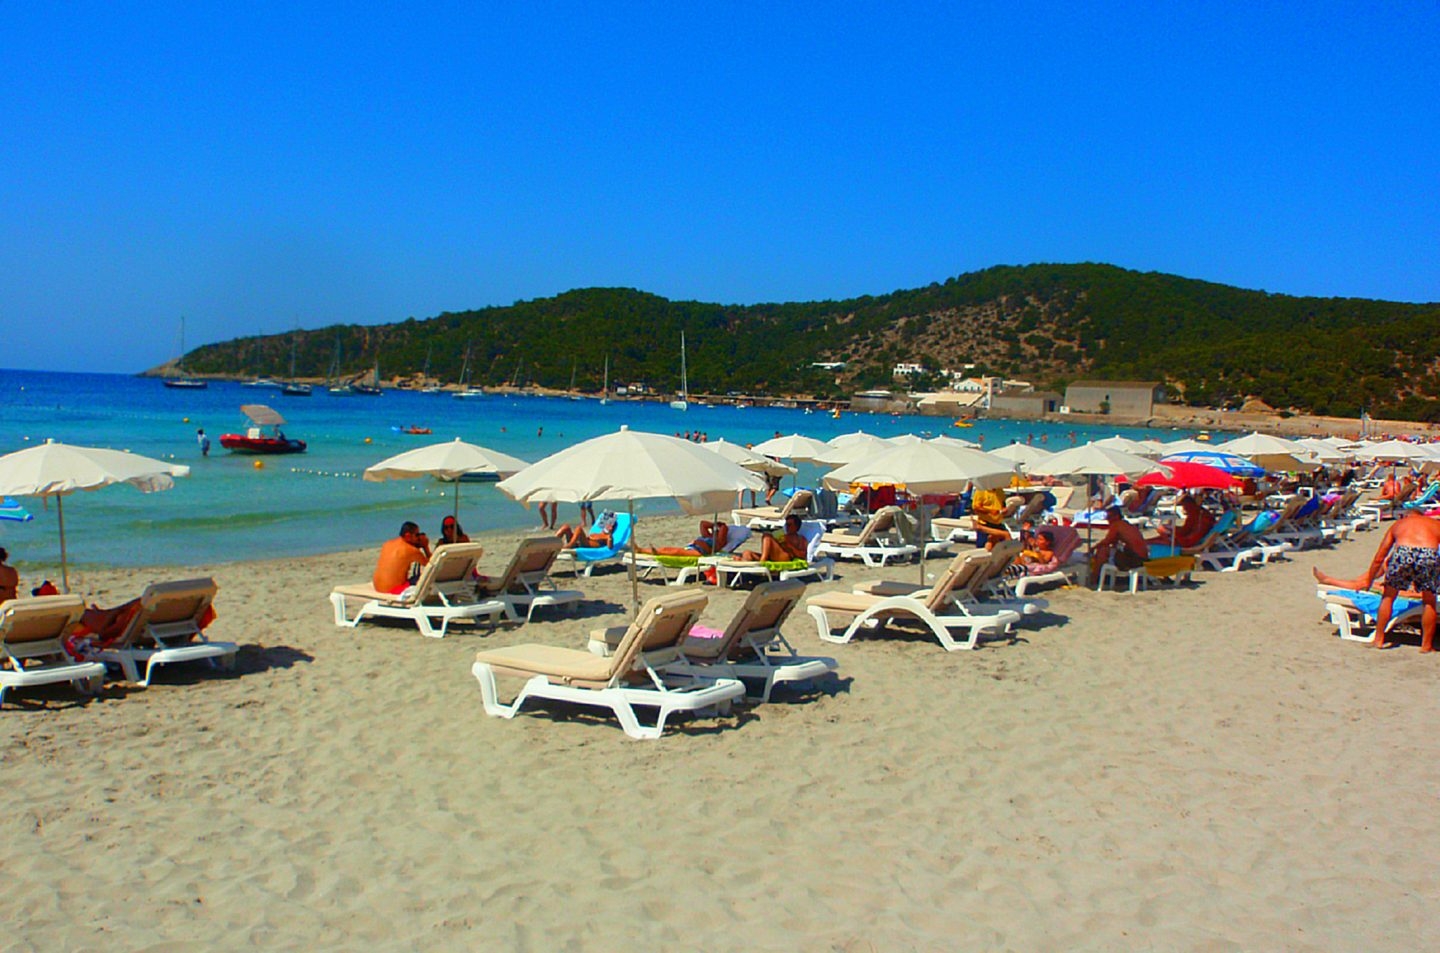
x=786 y=566
x=676 y=562
x=1369 y=602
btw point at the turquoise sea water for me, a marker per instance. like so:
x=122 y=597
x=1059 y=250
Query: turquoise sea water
x=316 y=502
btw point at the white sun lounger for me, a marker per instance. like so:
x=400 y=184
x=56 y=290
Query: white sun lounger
x=633 y=677
x=936 y=608
x=444 y=591
x=32 y=651
x=166 y=630
x=751 y=648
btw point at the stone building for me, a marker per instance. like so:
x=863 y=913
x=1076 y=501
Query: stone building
x=1121 y=398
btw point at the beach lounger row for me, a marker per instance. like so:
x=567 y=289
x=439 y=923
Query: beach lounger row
x=449 y=590
x=658 y=663
x=166 y=628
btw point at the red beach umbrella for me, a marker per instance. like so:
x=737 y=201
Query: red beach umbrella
x=1190 y=476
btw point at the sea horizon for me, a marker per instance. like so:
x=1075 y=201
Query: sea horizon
x=234 y=507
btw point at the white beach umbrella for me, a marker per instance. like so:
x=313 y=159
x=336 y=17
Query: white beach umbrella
x=1321 y=451
x=1089 y=459
x=747 y=458
x=1022 y=453
x=947 y=441
x=792 y=447
x=1399 y=450
x=852 y=448
x=922 y=468
x=905 y=440
x=448 y=461
x=1137 y=447
x=1184 y=445
x=1271 y=452
x=632 y=465
x=58 y=469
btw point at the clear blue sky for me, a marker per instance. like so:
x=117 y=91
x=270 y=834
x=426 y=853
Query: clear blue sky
x=255 y=166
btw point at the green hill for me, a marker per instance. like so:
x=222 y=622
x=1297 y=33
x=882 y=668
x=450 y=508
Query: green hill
x=1213 y=344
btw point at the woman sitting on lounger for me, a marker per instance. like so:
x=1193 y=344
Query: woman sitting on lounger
x=450 y=531
x=781 y=548
x=712 y=539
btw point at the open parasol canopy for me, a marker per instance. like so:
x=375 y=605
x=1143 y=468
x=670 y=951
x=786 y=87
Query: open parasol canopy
x=59 y=469
x=633 y=465
x=448 y=461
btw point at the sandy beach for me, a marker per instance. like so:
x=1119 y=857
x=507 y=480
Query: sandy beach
x=1202 y=769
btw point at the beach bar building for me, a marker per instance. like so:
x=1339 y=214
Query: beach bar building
x=1121 y=398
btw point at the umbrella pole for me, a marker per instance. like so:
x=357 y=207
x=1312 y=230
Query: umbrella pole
x=634 y=582
x=456 y=494
x=64 y=569
x=923 y=537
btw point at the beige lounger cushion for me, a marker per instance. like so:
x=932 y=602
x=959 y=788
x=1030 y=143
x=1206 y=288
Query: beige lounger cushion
x=847 y=603
x=562 y=665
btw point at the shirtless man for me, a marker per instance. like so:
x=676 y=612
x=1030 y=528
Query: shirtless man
x=1197 y=523
x=1124 y=540
x=1408 y=558
x=783 y=549
x=392 y=572
x=9 y=578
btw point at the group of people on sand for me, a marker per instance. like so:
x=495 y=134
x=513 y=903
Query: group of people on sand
x=786 y=545
x=402 y=557
x=1128 y=548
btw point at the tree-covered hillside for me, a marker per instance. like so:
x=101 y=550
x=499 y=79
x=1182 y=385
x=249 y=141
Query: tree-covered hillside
x=1212 y=343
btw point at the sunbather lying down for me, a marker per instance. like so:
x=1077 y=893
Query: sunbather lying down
x=780 y=548
x=712 y=539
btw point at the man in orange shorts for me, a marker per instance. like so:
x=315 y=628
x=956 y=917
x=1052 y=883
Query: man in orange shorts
x=392 y=572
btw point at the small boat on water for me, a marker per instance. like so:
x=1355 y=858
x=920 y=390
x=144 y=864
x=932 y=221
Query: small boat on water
x=467 y=391
x=412 y=429
x=184 y=381
x=292 y=387
x=682 y=402
x=263 y=435
x=263 y=382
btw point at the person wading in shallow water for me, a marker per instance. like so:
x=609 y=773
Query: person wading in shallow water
x=1408 y=558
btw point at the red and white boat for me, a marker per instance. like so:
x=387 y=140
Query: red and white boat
x=263 y=435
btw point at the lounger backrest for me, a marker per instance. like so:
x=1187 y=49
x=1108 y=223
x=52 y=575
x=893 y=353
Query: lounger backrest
x=662 y=623
x=881 y=521
x=957 y=577
x=758 y=620
x=168 y=609
x=1066 y=541
x=449 y=566
x=1002 y=554
x=800 y=502
x=531 y=563
x=1291 y=507
x=38 y=618
x=1222 y=527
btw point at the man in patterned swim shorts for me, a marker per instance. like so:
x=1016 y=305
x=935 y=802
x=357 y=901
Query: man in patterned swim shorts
x=1409 y=559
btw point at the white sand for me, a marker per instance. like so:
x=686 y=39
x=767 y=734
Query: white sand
x=1201 y=769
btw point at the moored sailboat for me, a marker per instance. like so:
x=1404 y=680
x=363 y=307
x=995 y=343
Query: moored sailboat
x=183 y=381
x=683 y=401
